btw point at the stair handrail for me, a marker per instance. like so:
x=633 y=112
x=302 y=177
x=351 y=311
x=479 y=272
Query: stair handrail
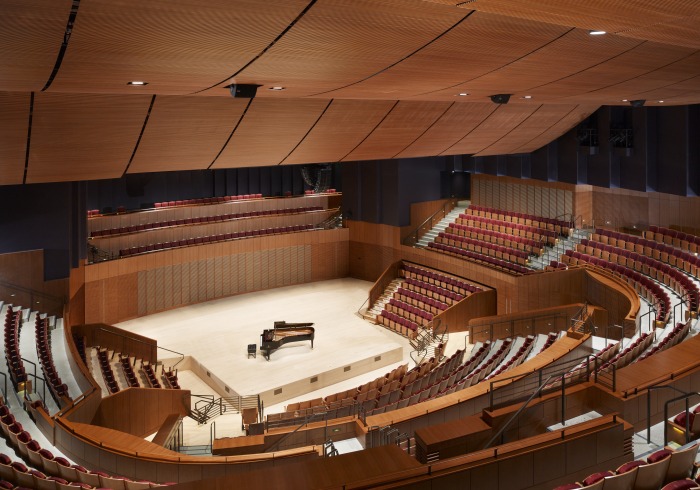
x=305 y=422
x=685 y=397
x=649 y=390
x=413 y=237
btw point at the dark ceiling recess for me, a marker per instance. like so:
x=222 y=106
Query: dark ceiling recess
x=64 y=45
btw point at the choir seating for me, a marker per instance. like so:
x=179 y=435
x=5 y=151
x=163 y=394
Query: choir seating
x=15 y=365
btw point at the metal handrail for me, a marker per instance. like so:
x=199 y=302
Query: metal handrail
x=685 y=397
x=414 y=234
x=306 y=421
x=657 y=387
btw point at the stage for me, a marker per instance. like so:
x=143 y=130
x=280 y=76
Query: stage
x=214 y=336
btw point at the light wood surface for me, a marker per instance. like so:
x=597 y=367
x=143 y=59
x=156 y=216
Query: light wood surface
x=14 y=120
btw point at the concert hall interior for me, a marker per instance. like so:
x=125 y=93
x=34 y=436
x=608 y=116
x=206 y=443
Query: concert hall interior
x=349 y=244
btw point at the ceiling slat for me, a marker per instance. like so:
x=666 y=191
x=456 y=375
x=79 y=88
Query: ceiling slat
x=14 y=119
x=577 y=115
x=83 y=137
x=270 y=130
x=186 y=133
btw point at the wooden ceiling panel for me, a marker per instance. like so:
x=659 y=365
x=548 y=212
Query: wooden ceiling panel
x=31 y=33
x=609 y=78
x=628 y=17
x=570 y=120
x=406 y=122
x=543 y=118
x=684 y=31
x=449 y=64
x=186 y=133
x=341 y=128
x=83 y=137
x=177 y=46
x=269 y=131
x=14 y=119
x=551 y=63
x=501 y=122
x=459 y=120
x=339 y=42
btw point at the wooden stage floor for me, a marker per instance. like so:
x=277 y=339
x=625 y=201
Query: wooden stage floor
x=216 y=334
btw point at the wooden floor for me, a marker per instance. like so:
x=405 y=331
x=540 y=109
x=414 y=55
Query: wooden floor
x=215 y=334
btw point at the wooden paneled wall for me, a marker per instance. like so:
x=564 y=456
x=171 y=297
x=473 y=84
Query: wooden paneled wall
x=420 y=211
x=119 y=340
x=22 y=283
x=476 y=305
x=529 y=322
x=548 y=199
x=141 y=411
x=127 y=288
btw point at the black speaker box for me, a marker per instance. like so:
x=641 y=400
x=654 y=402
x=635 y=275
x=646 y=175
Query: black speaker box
x=500 y=98
x=243 y=91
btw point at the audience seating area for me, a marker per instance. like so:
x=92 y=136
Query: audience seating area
x=675 y=238
x=107 y=373
x=495 y=237
x=643 y=285
x=15 y=365
x=664 y=468
x=129 y=373
x=493 y=262
x=562 y=227
x=58 y=389
x=484 y=248
x=515 y=229
x=40 y=469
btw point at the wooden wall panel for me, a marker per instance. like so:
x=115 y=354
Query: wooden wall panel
x=83 y=137
x=341 y=128
x=269 y=131
x=183 y=54
x=14 y=119
x=186 y=133
x=406 y=122
x=22 y=283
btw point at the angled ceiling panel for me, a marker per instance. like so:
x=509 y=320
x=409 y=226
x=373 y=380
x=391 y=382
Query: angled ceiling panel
x=570 y=120
x=457 y=122
x=14 y=119
x=406 y=122
x=607 y=79
x=186 y=133
x=177 y=46
x=478 y=45
x=83 y=137
x=544 y=117
x=269 y=131
x=341 y=128
x=496 y=126
x=683 y=31
x=31 y=33
x=339 y=42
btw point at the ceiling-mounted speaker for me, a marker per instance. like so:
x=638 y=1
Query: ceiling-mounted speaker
x=500 y=98
x=637 y=103
x=243 y=91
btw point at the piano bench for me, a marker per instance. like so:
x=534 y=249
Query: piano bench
x=252 y=350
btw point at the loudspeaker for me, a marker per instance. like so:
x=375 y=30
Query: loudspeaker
x=500 y=98
x=637 y=103
x=243 y=91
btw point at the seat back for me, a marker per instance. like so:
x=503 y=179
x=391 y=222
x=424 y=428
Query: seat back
x=625 y=481
x=651 y=476
x=681 y=463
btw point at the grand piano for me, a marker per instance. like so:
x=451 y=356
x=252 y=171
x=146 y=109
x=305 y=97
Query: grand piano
x=283 y=333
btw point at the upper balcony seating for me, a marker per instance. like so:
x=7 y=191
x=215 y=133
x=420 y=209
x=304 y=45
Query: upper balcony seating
x=492 y=262
x=562 y=227
x=15 y=365
x=207 y=200
x=515 y=229
x=211 y=239
x=644 y=286
x=671 y=277
x=198 y=220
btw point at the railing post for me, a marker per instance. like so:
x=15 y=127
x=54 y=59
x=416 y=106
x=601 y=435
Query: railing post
x=648 y=414
x=563 y=400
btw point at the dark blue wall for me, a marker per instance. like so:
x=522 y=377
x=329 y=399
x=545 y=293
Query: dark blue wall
x=49 y=217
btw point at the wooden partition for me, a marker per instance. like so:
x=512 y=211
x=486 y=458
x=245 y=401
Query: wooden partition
x=618 y=298
x=377 y=289
x=141 y=411
x=122 y=289
x=22 y=283
x=476 y=305
x=119 y=340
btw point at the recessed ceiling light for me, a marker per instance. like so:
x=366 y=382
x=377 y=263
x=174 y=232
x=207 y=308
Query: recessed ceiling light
x=137 y=82
x=661 y=102
x=462 y=94
x=624 y=100
x=596 y=32
x=526 y=97
x=276 y=88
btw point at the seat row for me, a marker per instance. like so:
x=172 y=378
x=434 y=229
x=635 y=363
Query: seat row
x=670 y=276
x=583 y=370
x=517 y=359
x=439 y=279
x=15 y=365
x=199 y=220
x=679 y=239
x=212 y=238
x=519 y=243
x=492 y=262
x=644 y=286
x=555 y=265
x=661 y=468
x=630 y=353
x=419 y=300
x=107 y=373
x=433 y=291
x=40 y=469
x=398 y=323
x=489 y=365
x=560 y=226
x=515 y=229
x=129 y=374
x=58 y=389
x=679 y=332
x=413 y=313
x=206 y=200
x=486 y=248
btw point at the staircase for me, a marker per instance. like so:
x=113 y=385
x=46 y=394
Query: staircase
x=555 y=253
x=442 y=224
x=426 y=342
x=378 y=306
